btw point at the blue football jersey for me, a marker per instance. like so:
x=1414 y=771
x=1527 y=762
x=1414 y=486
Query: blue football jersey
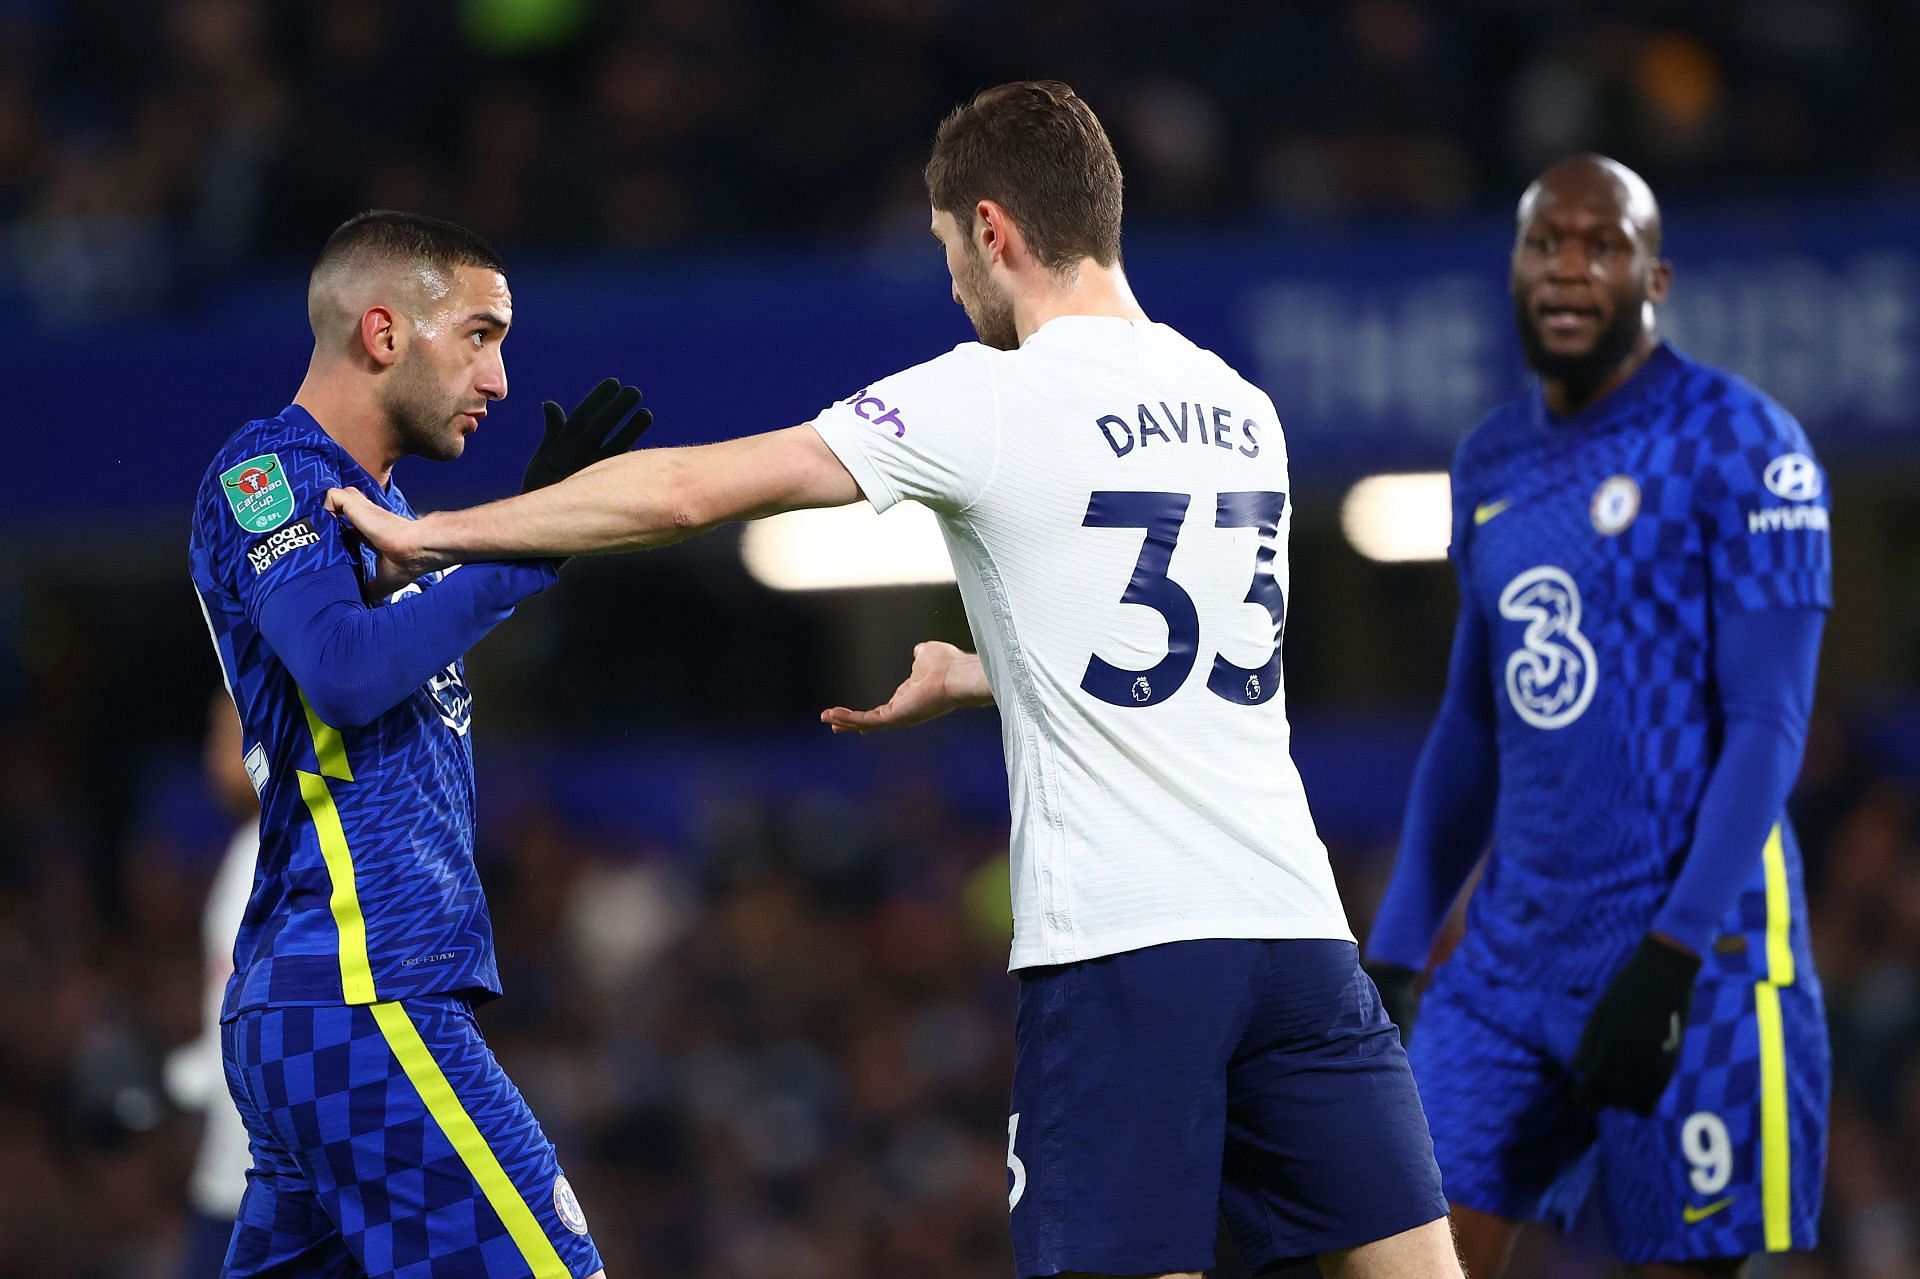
x=365 y=888
x=1599 y=549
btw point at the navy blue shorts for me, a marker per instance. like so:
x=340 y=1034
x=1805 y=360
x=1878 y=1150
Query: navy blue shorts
x=1156 y=1091
x=387 y=1142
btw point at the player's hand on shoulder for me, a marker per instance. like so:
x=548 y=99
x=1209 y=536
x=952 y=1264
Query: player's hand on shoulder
x=1631 y=1045
x=607 y=423
x=402 y=558
x=388 y=577
x=943 y=679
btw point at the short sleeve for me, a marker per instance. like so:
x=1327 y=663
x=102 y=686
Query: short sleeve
x=266 y=522
x=930 y=433
x=1762 y=501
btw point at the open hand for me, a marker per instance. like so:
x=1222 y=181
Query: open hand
x=598 y=428
x=943 y=678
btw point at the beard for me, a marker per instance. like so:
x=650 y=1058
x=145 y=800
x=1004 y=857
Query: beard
x=990 y=311
x=1583 y=372
x=422 y=414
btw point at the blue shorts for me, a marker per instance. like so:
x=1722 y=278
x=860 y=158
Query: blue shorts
x=1157 y=1090
x=387 y=1141
x=1729 y=1164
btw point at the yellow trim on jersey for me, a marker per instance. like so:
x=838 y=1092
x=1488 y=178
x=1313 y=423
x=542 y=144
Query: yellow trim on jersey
x=444 y=1105
x=328 y=746
x=330 y=750
x=1776 y=1166
x=356 y=972
x=1776 y=1148
x=1779 y=912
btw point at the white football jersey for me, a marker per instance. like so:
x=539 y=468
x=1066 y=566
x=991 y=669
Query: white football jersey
x=195 y=1076
x=1116 y=502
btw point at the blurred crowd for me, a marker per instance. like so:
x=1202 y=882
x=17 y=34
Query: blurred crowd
x=783 y=1043
x=148 y=148
x=783 y=1046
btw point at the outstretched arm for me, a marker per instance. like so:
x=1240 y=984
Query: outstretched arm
x=636 y=501
x=354 y=663
x=943 y=679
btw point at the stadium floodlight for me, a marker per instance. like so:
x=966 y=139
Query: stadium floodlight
x=1398 y=518
x=847 y=547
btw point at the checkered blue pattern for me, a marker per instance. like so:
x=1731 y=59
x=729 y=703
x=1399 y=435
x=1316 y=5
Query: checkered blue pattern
x=408 y=813
x=1635 y=523
x=1492 y=1060
x=353 y=1176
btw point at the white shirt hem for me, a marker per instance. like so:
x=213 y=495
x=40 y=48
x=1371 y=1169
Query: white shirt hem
x=1035 y=954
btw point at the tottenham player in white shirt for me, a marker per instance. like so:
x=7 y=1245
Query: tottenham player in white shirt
x=1195 y=1036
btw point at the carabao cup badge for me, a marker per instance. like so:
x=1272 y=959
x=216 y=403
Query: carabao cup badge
x=258 y=492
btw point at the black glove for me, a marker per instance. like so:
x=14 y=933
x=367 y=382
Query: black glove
x=591 y=433
x=1396 y=982
x=1632 y=1041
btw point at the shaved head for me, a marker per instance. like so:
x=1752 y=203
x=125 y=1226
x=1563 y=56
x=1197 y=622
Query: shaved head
x=1587 y=277
x=1597 y=180
x=382 y=258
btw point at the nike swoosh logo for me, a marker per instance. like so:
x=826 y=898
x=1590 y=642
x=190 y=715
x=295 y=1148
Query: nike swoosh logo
x=1693 y=1216
x=1485 y=512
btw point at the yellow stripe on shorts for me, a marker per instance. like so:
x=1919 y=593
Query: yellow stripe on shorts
x=1776 y=1150
x=464 y=1135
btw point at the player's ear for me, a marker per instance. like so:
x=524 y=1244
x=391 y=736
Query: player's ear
x=994 y=231
x=1660 y=281
x=380 y=335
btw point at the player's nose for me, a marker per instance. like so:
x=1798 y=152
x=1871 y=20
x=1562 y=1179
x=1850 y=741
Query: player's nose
x=1569 y=262
x=492 y=381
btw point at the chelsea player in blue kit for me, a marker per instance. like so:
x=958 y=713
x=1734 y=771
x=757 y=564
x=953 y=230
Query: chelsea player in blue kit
x=386 y=1139
x=1642 y=548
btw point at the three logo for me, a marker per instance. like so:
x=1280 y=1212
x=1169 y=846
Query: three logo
x=1551 y=677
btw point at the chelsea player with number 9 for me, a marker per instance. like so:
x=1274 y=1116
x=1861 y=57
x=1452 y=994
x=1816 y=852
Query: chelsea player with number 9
x=1195 y=1036
x=1642 y=547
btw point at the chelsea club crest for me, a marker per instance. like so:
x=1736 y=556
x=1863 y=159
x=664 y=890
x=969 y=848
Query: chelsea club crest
x=1615 y=504
x=567 y=1208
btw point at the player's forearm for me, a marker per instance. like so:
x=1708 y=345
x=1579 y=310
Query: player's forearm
x=1764 y=665
x=1449 y=817
x=354 y=663
x=633 y=502
x=1449 y=808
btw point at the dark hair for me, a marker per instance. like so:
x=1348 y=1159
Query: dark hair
x=1037 y=150
x=383 y=234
